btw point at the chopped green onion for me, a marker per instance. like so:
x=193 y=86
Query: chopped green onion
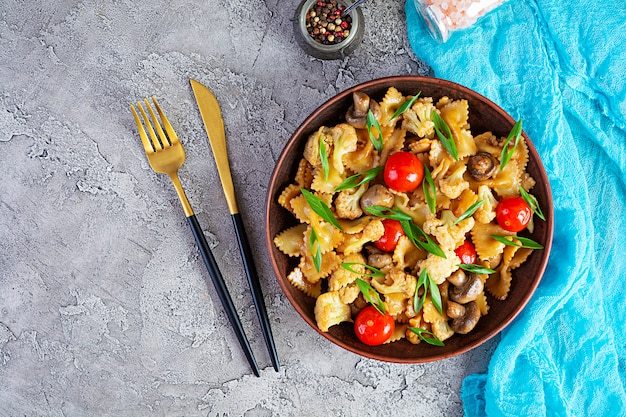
x=371 y=296
x=532 y=203
x=376 y=273
x=405 y=106
x=372 y=122
x=516 y=132
x=317 y=253
x=430 y=287
x=418 y=302
x=324 y=157
x=523 y=242
x=444 y=134
x=476 y=269
x=357 y=180
x=421 y=239
x=434 y=340
x=430 y=192
x=320 y=207
x=471 y=210
x=387 y=213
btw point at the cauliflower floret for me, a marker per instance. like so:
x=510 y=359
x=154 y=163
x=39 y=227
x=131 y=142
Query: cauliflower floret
x=349 y=294
x=396 y=281
x=312 y=147
x=372 y=232
x=453 y=185
x=344 y=141
x=448 y=234
x=417 y=119
x=440 y=268
x=330 y=310
x=487 y=211
x=347 y=203
x=341 y=277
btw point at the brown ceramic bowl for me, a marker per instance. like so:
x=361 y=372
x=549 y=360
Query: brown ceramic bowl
x=484 y=116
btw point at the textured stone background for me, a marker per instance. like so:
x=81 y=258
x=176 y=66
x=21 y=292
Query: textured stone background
x=104 y=307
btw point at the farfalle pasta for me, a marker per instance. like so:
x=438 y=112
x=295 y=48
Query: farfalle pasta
x=335 y=255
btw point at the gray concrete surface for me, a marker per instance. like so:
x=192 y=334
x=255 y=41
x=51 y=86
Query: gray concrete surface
x=104 y=308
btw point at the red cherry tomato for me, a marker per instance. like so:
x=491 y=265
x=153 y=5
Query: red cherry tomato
x=403 y=172
x=393 y=231
x=372 y=328
x=513 y=214
x=466 y=252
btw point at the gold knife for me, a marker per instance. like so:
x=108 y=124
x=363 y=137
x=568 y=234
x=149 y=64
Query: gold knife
x=214 y=126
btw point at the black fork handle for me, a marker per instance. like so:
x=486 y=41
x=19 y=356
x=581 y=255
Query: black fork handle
x=222 y=290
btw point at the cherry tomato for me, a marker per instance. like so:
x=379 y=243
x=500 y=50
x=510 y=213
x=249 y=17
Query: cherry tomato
x=403 y=172
x=393 y=231
x=513 y=214
x=372 y=328
x=466 y=252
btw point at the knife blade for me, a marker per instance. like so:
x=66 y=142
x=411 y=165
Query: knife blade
x=214 y=125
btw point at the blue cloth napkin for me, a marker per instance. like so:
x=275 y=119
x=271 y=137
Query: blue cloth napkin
x=561 y=67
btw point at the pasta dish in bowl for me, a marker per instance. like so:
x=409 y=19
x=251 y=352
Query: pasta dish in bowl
x=409 y=219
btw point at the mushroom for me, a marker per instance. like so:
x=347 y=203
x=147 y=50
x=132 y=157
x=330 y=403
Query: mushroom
x=380 y=260
x=467 y=317
x=465 y=289
x=357 y=113
x=481 y=166
x=455 y=310
x=377 y=195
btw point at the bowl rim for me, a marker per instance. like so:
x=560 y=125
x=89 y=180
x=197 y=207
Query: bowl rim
x=292 y=142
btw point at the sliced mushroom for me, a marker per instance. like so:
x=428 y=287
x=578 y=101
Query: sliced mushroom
x=469 y=290
x=377 y=195
x=357 y=113
x=481 y=166
x=466 y=322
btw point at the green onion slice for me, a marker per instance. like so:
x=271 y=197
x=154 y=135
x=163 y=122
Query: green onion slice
x=430 y=192
x=471 y=210
x=421 y=239
x=371 y=295
x=523 y=242
x=430 y=287
x=532 y=203
x=405 y=106
x=357 y=180
x=516 y=132
x=376 y=273
x=320 y=207
x=476 y=269
x=372 y=122
x=444 y=134
x=387 y=213
x=317 y=253
x=324 y=157
x=426 y=336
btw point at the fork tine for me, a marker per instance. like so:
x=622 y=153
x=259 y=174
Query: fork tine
x=164 y=139
x=156 y=145
x=147 y=145
x=166 y=123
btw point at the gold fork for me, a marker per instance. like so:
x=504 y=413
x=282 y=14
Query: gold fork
x=166 y=155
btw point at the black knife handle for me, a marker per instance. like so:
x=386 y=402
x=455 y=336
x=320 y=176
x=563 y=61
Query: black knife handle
x=222 y=290
x=255 y=287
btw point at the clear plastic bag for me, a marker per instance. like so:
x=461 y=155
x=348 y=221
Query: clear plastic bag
x=442 y=17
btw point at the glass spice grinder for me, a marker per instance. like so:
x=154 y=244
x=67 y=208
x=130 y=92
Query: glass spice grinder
x=326 y=42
